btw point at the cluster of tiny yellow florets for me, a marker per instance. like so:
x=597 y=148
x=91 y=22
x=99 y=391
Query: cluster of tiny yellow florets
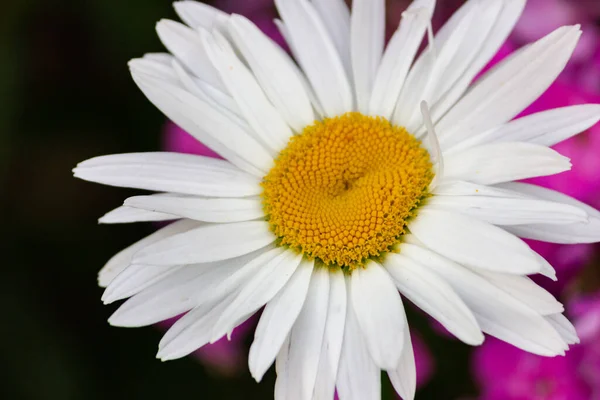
x=343 y=190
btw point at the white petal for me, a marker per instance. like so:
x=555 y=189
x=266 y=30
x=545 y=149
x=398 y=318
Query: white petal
x=185 y=44
x=207 y=243
x=317 y=107
x=434 y=296
x=462 y=188
x=497 y=313
x=258 y=291
x=472 y=242
x=336 y=17
x=200 y=15
x=358 y=375
x=123 y=259
x=525 y=290
x=156 y=67
x=428 y=73
x=378 y=310
x=282 y=370
x=317 y=55
x=398 y=58
x=134 y=279
x=162 y=58
x=209 y=94
x=545 y=128
x=510 y=211
x=564 y=327
x=490 y=31
x=179 y=292
x=510 y=87
x=195 y=328
x=501 y=162
x=192 y=331
x=201 y=209
x=586 y=232
x=124 y=214
x=432 y=144
x=277 y=320
x=271 y=130
x=273 y=70
x=207 y=123
x=334 y=335
x=170 y=172
x=366 y=46
x=306 y=340
x=404 y=377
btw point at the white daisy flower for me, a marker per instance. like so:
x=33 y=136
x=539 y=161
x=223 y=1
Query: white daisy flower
x=352 y=173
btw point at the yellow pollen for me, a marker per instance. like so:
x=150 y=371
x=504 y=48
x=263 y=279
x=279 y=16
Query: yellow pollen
x=343 y=190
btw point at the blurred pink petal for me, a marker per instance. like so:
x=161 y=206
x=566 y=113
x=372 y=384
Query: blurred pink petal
x=423 y=359
x=507 y=373
x=585 y=309
x=177 y=140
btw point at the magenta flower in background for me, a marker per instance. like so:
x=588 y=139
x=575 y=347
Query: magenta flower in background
x=507 y=373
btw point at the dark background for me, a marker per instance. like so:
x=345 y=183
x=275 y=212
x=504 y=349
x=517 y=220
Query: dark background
x=66 y=95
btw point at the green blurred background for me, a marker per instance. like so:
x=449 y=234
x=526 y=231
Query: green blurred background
x=66 y=96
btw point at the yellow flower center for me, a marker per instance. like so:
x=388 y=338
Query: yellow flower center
x=344 y=189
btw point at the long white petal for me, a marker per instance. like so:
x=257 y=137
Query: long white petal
x=358 y=375
x=334 y=335
x=270 y=128
x=273 y=70
x=170 y=172
x=545 y=128
x=207 y=243
x=564 y=327
x=428 y=73
x=472 y=242
x=378 y=310
x=492 y=30
x=258 y=291
x=194 y=329
x=306 y=339
x=404 y=377
x=510 y=87
x=502 y=162
x=209 y=94
x=207 y=123
x=123 y=214
x=317 y=55
x=277 y=320
x=157 y=66
x=200 y=15
x=185 y=44
x=585 y=232
x=336 y=17
x=178 y=292
x=123 y=259
x=525 y=290
x=434 y=296
x=510 y=211
x=397 y=59
x=282 y=370
x=462 y=188
x=134 y=279
x=497 y=313
x=201 y=209
x=366 y=46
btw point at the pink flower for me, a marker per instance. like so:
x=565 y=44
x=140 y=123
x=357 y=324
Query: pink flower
x=507 y=373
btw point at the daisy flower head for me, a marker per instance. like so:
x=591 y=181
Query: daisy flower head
x=352 y=172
